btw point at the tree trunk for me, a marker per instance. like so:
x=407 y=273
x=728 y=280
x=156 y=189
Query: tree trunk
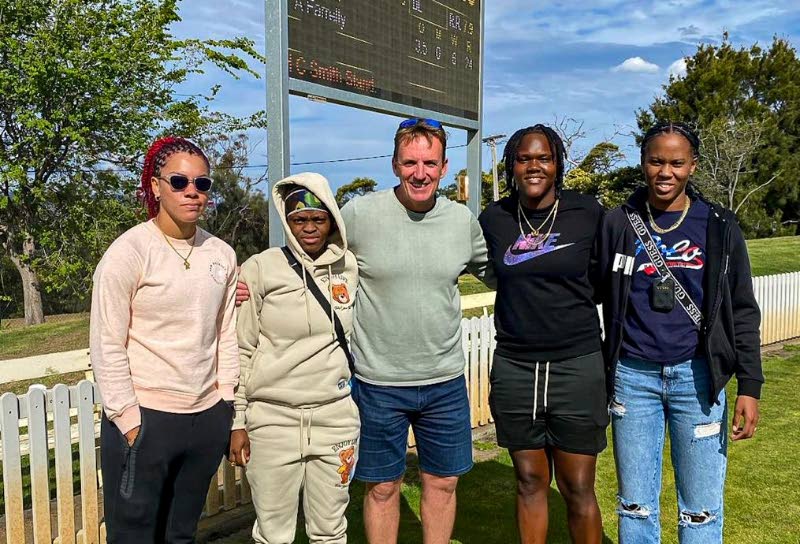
x=31 y=289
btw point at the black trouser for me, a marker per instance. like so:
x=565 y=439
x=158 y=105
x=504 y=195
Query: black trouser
x=154 y=491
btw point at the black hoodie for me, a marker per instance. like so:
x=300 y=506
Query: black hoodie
x=730 y=337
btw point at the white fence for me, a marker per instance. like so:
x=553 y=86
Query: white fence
x=778 y=297
x=40 y=432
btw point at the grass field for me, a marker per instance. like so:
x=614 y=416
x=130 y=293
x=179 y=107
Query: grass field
x=65 y=334
x=762 y=496
x=774 y=255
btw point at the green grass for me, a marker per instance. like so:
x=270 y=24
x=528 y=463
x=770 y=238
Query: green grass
x=774 y=255
x=67 y=334
x=21 y=387
x=762 y=498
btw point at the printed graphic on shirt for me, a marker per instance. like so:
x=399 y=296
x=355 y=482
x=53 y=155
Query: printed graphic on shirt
x=218 y=272
x=347 y=457
x=530 y=246
x=682 y=254
x=340 y=291
x=340 y=294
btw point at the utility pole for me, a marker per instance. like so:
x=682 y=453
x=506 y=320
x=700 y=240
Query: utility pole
x=491 y=141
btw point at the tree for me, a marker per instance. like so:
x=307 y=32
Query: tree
x=725 y=172
x=357 y=187
x=599 y=175
x=85 y=84
x=602 y=158
x=749 y=85
x=238 y=212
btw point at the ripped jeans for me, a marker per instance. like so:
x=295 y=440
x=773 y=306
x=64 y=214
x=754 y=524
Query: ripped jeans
x=648 y=399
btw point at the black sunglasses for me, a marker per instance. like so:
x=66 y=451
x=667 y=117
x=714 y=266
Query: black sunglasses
x=179 y=182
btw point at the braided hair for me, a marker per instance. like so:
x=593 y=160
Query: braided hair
x=512 y=146
x=674 y=128
x=154 y=161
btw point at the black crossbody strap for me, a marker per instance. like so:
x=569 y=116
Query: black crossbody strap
x=681 y=295
x=315 y=290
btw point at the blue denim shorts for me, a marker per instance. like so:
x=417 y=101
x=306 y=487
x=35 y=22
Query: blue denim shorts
x=438 y=413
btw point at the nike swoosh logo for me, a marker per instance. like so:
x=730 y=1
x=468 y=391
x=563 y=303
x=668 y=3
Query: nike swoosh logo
x=511 y=258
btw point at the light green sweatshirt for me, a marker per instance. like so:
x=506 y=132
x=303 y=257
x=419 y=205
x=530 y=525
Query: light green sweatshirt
x=288 y=350
x=407 y=328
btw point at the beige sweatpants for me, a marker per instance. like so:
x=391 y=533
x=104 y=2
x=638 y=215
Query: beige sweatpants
x=313 y=449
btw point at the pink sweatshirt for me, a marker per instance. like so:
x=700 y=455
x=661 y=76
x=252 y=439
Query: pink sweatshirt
x=163 y=336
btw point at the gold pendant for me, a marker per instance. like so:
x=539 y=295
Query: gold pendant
x=186 y=265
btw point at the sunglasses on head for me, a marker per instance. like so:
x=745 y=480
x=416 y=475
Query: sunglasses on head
x=414 y=121
x=179 y=182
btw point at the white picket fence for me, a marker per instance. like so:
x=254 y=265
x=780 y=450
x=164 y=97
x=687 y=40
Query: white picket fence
x=42 y=427
x=43 y=424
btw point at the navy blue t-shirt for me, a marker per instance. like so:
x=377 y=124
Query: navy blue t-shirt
x=667 y=337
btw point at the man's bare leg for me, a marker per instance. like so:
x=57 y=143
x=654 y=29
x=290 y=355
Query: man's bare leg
x=382 y=512
x=438 y=507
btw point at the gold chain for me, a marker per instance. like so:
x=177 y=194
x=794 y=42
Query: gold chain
x=677 y=224
x=536 y=232
x=186 y=264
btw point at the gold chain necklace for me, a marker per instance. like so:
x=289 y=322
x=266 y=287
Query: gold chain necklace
x=185 y=260
x=536 y=232
x=677 y=224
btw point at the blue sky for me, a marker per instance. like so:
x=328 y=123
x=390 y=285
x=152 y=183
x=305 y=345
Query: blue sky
x=596 y=61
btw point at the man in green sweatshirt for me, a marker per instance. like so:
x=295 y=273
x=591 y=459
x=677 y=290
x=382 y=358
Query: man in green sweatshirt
x=411 y=247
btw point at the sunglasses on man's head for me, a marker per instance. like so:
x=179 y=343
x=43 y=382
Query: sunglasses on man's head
x=179 y=182
x=414 y=121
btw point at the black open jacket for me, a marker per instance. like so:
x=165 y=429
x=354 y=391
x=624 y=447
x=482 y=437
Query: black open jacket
x=729 y=336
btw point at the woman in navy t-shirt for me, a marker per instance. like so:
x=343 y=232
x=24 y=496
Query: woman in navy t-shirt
x=681 y=319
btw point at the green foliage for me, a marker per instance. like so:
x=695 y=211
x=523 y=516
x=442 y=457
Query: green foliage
x=238 y=212
x=598 y=175
x=86 y=84
x=357 y=187
x=747 y=85
x=602 y=158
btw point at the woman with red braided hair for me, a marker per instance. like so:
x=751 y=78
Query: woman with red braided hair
x=164 y=353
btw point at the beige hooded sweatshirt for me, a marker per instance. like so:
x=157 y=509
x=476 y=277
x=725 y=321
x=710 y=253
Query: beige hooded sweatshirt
x=288 y=350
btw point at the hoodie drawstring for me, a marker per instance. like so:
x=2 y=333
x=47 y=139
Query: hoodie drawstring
x=536 y=387
x=330 y=300
x=305 y=428
x=305 y=294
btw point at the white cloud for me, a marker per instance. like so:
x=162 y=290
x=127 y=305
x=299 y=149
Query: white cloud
x=638 y=65
x=677 y=68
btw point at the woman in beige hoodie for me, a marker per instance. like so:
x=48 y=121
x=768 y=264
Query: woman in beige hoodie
x=296 y=426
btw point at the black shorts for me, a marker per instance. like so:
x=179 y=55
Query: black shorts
x=567 y=411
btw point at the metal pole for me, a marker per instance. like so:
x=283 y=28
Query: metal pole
x=495 y=188
x=474 y=136
x=276 y=52
x=491 y=141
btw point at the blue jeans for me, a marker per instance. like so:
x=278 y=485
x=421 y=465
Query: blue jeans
x=652 y=397
x=439 y=415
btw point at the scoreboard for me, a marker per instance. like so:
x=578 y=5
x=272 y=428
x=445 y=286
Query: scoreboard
x=419 y=53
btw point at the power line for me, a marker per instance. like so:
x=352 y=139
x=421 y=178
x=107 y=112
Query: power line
x=250 y=166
